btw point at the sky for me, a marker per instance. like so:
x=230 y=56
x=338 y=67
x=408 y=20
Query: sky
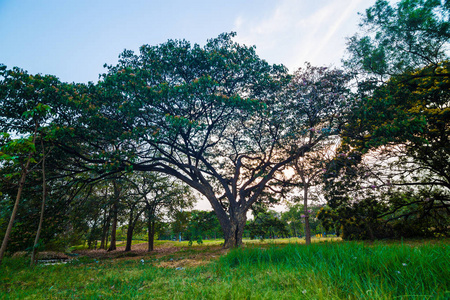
x=73 y=39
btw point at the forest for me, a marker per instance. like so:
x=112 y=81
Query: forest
x=361 y=152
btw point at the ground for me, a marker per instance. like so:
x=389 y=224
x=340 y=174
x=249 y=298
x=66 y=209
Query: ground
x=168 y=254
x=171 y=254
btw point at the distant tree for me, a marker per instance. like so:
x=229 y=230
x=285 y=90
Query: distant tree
x=180 y=222
x=161 y=194
x=267 y=225
x=309 y=170
x=203 y=224
x=329 y=219
x=293 y=218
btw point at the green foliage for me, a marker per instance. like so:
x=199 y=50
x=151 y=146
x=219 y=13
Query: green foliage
x=401 y=115
x=329 y=219
x=203 y=224
x=267 y=225
x=55 y=234
x=180 y=222
x=401 y=38
x=293 y=220
x=412 y=105
x=398 y=214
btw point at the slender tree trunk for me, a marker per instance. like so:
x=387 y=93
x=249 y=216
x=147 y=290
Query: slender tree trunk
x=130 y=230
x=41 y=219
x=129 y=237
x=150 y=210
x=369 y=229
x=16 y=203
x=338 y=230
x=13 y=215
x=305 y=208
x=115 y=211
x=112 y=246
x=92 y=236
x=131 y=225
x=106 y=221
x=106 y=238
x=151 y=235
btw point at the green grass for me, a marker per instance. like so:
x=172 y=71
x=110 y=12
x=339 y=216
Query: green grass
x=219 y=242
x=335 y=271
x=341 y=270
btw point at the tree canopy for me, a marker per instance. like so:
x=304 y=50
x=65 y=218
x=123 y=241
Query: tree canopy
x=217 y=117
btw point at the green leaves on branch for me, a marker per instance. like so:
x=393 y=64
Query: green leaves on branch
x=39 y=110
x=401 y=38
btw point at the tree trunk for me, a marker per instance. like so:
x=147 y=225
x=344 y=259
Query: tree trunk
x=92 y=236
x=41 y=218
x=129 y=237
x=151 y=235
x=106 y=220
x=131 y=225
x=234 y=229
x=112 y=246
x=338 y=230
x=13 y=215
x=232 y=224
x=115 y=211
x=150 y=211
x=130 y=230
x=106 y=238
x=305 y=208
x=19 y=194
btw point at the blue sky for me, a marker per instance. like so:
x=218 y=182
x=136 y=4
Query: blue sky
x=73 y=39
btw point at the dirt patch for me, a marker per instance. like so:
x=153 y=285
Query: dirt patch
x=192 y=257
x=138 y=250
x=166 y=255
x=43 y=255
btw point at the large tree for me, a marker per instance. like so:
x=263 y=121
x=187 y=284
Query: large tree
x=217 y=117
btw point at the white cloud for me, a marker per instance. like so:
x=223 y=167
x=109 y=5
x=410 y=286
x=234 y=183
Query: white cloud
x=295 y=32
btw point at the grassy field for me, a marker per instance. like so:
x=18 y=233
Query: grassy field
x=279 y=269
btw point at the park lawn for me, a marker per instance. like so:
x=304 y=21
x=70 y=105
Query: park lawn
x=327 y=270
